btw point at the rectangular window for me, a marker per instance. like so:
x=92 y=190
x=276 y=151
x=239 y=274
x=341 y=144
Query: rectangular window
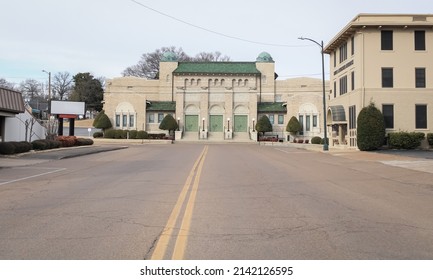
x=124 y=120
x=353 y=46
x=420 y=40
x=117 y=120
x=386 y=40
x=421 y=116
x=151 y=118
x=387 y=78
x=307 y=122
x=343 y=52
x=160 y=117
x=388 y=115
x=352 y=117
x=353 y=80
x=301 y=122
x=335 y=89
x=314 y=121
x=280 y=119
x=420 y=77
x=271 y=119
x=343 y=85
x=131 y=120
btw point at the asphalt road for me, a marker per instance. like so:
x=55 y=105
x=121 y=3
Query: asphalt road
x=221 y=201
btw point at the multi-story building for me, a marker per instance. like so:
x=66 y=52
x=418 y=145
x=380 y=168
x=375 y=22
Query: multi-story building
x=386 y=59
x=215 y=100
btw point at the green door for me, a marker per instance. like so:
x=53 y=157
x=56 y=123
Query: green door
x=216 y=123
x=191 y=123
x=241 y=124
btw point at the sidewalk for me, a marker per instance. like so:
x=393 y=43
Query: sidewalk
x=418 y=160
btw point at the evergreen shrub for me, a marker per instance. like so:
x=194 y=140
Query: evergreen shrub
x=370 y=128
x=133 y=134
x=7 y=148
x=98 y=134
x=40 y=144
x=430 y=139
x=316 y=140
x=405 y=140
x=293 y=126
x=84 y=142
x=22 y=147
x=109 y=133
x=120 y=134
x=264 y=125
x=142 y=134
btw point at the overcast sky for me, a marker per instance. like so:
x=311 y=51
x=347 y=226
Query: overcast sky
x=106 y=36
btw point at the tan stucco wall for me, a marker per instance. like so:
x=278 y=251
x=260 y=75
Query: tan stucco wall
x=369 y=60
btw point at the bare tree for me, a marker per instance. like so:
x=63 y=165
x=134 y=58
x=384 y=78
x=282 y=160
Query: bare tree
x=215 y=56
x=5 y=84
x=148 y=66
x=62 y=84
x=32 y=89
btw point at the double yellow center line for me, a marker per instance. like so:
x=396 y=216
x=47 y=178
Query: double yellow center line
x=182 y=236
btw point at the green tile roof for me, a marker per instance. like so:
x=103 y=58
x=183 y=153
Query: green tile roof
x=216 y=68
x=271 y=107
x=163 y=106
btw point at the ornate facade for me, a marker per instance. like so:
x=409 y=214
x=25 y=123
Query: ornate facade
x=215 y=100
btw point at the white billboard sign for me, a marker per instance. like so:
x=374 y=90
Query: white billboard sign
x=67 y=107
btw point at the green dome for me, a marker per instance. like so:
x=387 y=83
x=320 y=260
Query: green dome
x=169 y=56
x=264 y=57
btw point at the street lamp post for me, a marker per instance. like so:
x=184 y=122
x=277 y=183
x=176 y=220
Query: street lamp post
x=203 y=124
x=178 y=121
x=228 y=124
x=49 y=101
x=254 y=125
x=325 y=142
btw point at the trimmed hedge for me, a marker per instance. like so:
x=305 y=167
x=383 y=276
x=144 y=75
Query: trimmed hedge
x=133 y=134
x=405 y=140
x=12 y=147
x=98 y=134
x=7 y=148
x=67 y=141
x=156 y=135
x=40 y=144
x=430 y=139
x=84 y=142
x=22 y=147
x=109 y=133
x=316 y=140
x=142 y=134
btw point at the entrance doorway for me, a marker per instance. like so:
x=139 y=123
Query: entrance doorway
x=240 y=123
x=216 y=123
x=191 y=123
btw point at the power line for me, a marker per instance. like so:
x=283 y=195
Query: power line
x=215 y=32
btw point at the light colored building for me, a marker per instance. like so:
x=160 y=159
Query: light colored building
x=215 y=100
x=386 y=59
